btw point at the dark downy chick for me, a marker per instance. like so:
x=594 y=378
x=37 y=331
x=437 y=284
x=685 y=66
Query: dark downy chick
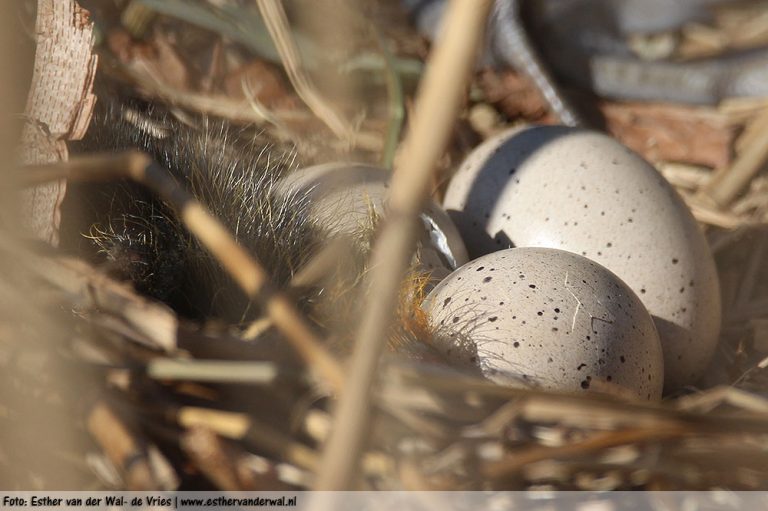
x=235 y=174
x=231 y=171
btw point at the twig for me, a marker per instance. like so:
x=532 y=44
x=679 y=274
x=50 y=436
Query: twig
x=238 y=110
x=122 y=448
x=221 y=371
x=396 y=106
x=515 y=462
x=215 y=459
x=277 y=25
x=246 y=271
x=239 y=426
x=725 y=186
x=439 y=102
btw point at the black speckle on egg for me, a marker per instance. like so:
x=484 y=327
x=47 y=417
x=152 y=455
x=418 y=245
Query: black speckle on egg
x=455 y=319
x=481 y=268
x=581 y=366
x=446 y=301
x=532 y=286
x=540 y=313
x=493 y=318
x=674 y=261
x=487 y=279
x=623 y=360
x=516 y=344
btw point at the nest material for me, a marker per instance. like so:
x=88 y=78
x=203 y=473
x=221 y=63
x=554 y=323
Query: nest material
x=127 y=395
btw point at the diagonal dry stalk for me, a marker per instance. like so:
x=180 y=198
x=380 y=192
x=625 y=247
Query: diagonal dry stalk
x=246 y=271
x=277 y=25
x=728 y=183
x=438 y=103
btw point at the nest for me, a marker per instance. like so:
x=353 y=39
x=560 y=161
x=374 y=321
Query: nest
x=105 y=387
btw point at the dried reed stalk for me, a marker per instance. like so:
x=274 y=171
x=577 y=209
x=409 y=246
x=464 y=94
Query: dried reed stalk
x=277 y=24
x=439 y=101
x=246 y=271
x=122 y=447
x=726 y=185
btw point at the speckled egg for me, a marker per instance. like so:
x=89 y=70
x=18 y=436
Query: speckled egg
x=586 y=193
x=347 y=197
x=547 y=318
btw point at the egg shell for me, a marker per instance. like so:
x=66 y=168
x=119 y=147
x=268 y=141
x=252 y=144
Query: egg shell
x=345 y=197
x=549 y=318
x=584 y=192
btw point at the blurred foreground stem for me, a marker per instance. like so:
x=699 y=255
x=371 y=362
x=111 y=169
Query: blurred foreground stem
x=438 y=103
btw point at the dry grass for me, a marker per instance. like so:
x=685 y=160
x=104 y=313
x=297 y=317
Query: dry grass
x=134 y=397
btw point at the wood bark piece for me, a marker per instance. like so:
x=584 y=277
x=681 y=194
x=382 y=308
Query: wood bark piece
x=59 y=105
x=152 y=324
x=658 y=131
x=665 y=132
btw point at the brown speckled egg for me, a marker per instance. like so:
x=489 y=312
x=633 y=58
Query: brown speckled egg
x=584 y=192
x=546 y=318
x=346 y=197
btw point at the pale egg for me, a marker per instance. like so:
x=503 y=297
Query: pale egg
x=586 y=193
x=549 y=319
x=348 y=198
